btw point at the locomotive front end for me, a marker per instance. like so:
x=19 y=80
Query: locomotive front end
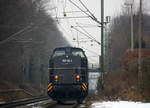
x=68 y=75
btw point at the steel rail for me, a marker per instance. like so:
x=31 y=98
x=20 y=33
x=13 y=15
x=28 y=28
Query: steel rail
x=23 y=102
x=68 y=68
x=76 y=105
x=64 y=105
x=15 y=90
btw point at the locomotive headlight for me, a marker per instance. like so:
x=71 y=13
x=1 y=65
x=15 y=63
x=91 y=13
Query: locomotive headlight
x=77 y=76
x=56 y=77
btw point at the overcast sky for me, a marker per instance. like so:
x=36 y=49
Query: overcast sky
x=92 y=49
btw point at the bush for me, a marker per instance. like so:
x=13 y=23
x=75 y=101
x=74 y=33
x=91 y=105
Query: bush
x=124 y=84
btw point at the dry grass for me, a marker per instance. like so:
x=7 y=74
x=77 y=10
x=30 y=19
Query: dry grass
x=118 y=86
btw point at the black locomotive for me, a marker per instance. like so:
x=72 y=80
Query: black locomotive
x=68 y=74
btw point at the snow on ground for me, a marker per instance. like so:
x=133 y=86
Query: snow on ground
x=120 y=104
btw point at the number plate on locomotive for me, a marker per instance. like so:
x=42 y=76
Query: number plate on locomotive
x=67 y=60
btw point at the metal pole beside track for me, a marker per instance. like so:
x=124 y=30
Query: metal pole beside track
x=102 y=42
x=140 y=46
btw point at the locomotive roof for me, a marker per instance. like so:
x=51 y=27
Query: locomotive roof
x=68 y=47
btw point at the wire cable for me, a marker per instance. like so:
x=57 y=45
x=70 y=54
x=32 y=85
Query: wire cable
x=93 y=18
x=80 y=9
x=89 y=34
x=87 y=9
x=75 y=20
x=27 y=29
x=15 y=34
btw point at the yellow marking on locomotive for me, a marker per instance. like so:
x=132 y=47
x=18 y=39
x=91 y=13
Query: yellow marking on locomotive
x=49 y=84
x=50 y=88
x=84 y=86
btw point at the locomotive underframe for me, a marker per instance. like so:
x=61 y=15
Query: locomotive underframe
x=67 y=92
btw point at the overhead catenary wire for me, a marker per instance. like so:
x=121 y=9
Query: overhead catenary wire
x=11 y=27
x=80 y=9
x=92 y=17
x=82 y=32
x=67 y=20
x=88 y=10
x=84 y=24
x=72 y=17
x=74 y=11
x=75 y=20
x=87 y=35
x=88 y=26
x=67 y=17
x=69 y=27
x=15 y=34
x=27 y=29
x=84 y=41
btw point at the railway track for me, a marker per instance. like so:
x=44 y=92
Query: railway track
x=66 y=105
x=23 y=102
x=42 y=99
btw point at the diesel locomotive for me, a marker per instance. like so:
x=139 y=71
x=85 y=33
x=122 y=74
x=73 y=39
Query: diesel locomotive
x=68 y=74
